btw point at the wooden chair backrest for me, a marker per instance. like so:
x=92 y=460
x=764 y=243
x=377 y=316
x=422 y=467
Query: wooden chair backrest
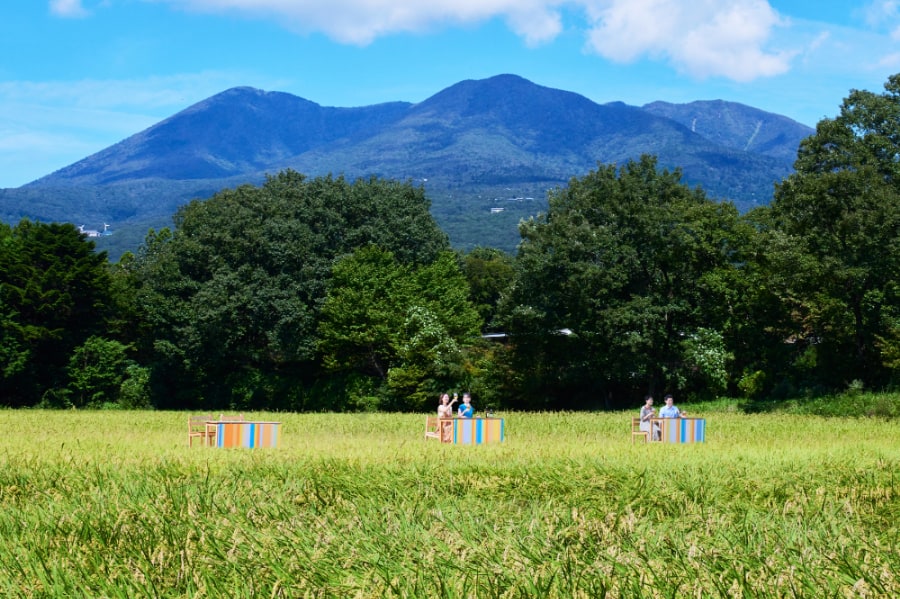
x=197 y=426
x=231 y=417
x=198 y=421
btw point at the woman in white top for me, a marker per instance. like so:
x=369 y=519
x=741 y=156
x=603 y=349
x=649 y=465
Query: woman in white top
x=445 y=408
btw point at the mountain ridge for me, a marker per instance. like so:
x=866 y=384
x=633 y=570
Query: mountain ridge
x=470 y=144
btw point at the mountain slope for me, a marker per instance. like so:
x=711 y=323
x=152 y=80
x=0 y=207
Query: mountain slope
x=241 y=130
x=472 y=145
x=506 y=130
x=737 y=126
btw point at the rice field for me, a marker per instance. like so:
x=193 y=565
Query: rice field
x=115 y=504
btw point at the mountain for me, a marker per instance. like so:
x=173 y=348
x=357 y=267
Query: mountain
x=239 y=131
x=737 y=126
x=486 y=151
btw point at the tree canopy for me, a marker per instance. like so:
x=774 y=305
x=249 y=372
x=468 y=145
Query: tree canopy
x=54 y=294
x=233 y=295
x=840 y=213
x=405 y=325
x=622 y=261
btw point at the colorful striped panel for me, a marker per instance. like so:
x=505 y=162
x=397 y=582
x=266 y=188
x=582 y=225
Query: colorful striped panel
x=247 y=434
x=683 y=430
x=475 y=431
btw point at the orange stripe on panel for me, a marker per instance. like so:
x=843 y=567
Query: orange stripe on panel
x=232 y=435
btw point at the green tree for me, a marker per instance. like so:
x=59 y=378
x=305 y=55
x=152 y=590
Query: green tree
x=624 y=267
x=14 y=355
x=232 y=295
x=54 y=293
x=706 y=360
x=840 y=215
x=96 y=371
x=757 y=317
x=490 y=272
x=134 y=392
x=404 y=324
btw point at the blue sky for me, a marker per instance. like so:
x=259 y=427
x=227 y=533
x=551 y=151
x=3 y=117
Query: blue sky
x=77 y=76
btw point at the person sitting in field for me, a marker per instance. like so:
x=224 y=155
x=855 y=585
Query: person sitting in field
x=465 y=408
x=445 y=408
x=648 y=412
x=669 y=410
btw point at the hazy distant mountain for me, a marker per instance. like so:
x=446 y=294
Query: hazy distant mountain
x=737 y=126
x=472 y=145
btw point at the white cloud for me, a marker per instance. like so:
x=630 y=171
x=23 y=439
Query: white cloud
x=876 y=13
x=362 y=21
x=884 y=15
x=67 y=8
x=704 y=38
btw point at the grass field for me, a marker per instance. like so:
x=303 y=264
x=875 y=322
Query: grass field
x=114 y=504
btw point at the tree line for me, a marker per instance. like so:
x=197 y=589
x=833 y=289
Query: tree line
x=328 y=294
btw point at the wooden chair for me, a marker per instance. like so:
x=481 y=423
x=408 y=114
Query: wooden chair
x=439 y=428
x=231 y=418
x=637 y=432
x=197 y=429
x=432 y=428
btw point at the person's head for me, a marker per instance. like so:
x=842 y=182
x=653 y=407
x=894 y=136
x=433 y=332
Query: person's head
x=648 y=401
x=467 y=398
x=669 y=399
x=445 y=398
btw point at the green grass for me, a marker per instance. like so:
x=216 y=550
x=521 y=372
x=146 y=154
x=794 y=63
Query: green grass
x=879 y=405
x=114 y=504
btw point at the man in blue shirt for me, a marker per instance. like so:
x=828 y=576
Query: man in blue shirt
x=669 y=410
x=465 y=408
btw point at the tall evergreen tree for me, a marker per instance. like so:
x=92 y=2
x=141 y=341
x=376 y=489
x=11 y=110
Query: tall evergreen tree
x=54 y=293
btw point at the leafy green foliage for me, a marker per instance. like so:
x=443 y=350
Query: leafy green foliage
x=706 y=360
x=96 y=372
x=490 y=272
x=402 y=324
x=54 y=294
x=232 y=296
x=628 y=260
x=320 y=293
x=840 y=212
